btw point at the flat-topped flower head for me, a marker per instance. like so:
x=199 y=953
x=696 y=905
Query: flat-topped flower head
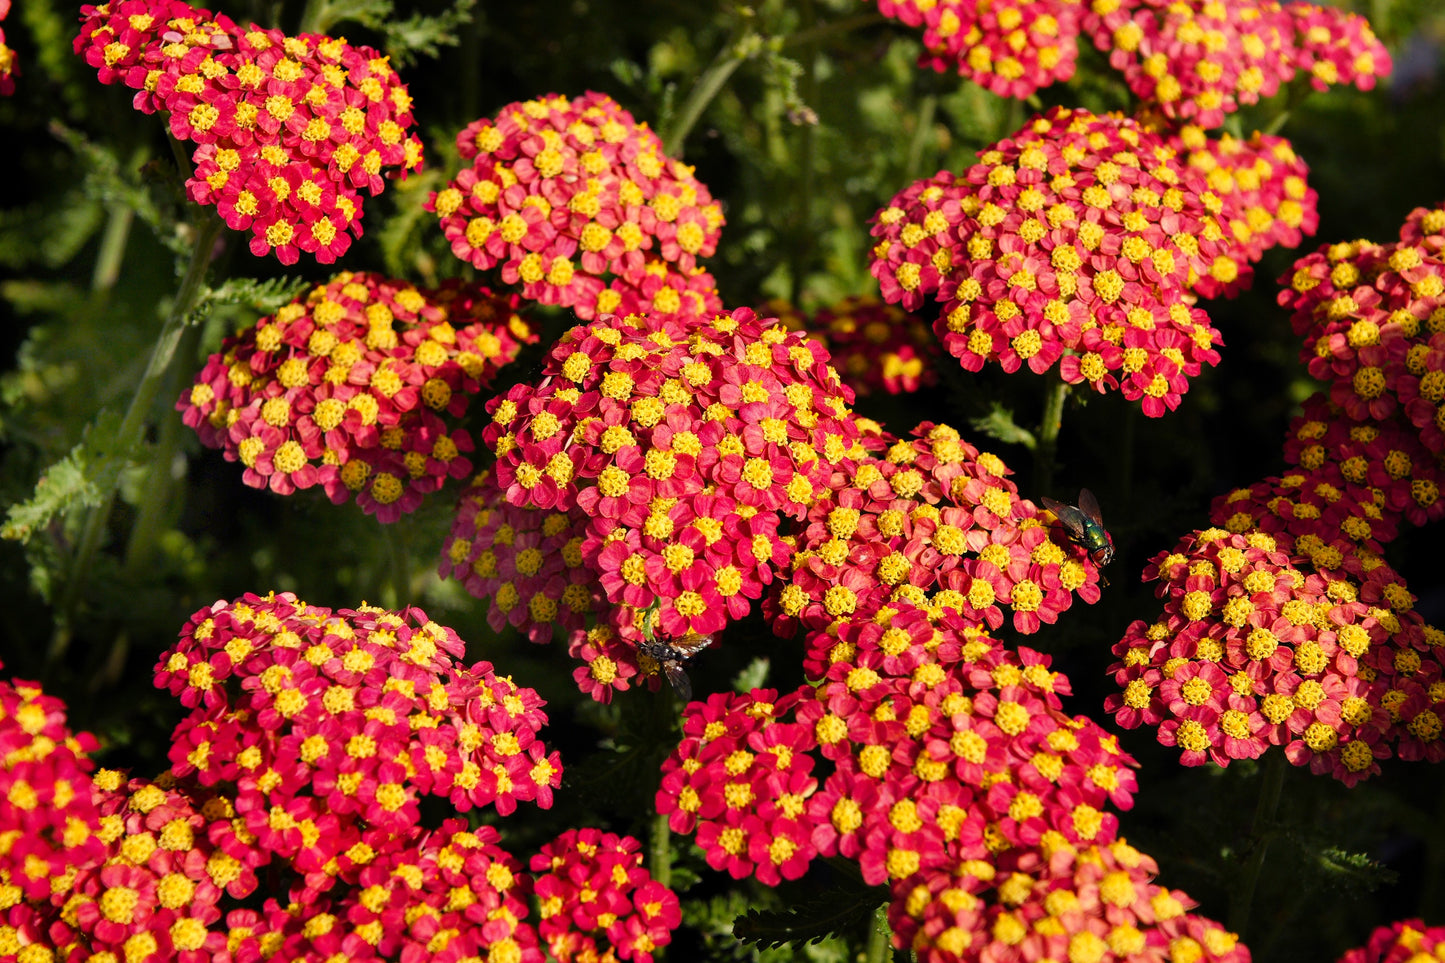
x=1373 y=320
x=565 y=196
x=598 y=900
x=1079 y=238
x=917 y=241
x=1194 y=60
x=1010 y=48
x=48 y=816
x=289 y=130
x=931 y=522
x=684 y=445
x=280 y=679
x=1266 y=200
x=527 y=561
x=1335 y=46
x=1273 y=636
x=354 y=387
x=1398 y=942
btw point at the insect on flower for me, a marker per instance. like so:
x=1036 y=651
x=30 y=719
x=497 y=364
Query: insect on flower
x=673 y=655
x=1085 y=526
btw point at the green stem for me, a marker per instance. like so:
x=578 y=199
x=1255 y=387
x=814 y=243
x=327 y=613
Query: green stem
x=157 y=503
x=880 y=934
x=802 y=247
x=132 y=427
x=728 y=59
x=927 y=108
x=1261 y=828
x=398 y=564
x=659 y=850
x=316 y=17
x=1048 y=435
x=832 y=28
x=112 y=248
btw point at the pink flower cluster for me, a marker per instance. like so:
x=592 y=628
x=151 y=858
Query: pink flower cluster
x=1284 y=626
x=577 y=202
x=288 y=130
x=1190 y=60
x=1262 y=645
x=684 y=447
x=1373 y=320
x=1265 y=200
x=932 y=522
x=346 y=388
x=876 y=347
x=1011 y=48
x=48 y=821
x=288 y=826
x=347 y=719
x=1076 y=241
x=953 y=778
x=597 y=900
x=1399 y=943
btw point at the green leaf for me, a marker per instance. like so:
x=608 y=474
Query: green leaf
x=79 y=480
x=834 y=913
x=753 y=675
x=262 y=296
x=418 y=36
x=999 y=424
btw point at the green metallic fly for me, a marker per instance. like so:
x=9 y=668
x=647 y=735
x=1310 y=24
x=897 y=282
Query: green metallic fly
x=1085 y=526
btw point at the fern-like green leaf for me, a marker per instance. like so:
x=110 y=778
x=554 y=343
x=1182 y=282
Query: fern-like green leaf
x=999 y=424
x=261 y=295
x=821 y=916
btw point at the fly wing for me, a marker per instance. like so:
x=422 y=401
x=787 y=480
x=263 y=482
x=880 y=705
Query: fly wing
x=690 y=645
x=1089 y=505
x=1071 y=518
x=679 y=680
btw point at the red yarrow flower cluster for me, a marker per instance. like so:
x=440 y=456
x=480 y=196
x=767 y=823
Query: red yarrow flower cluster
x=876 y=347
x=1062 y=902
x=289 y=130
x=1267 y=639
x=1010 y=48
x=1265 y=195
x=685 y=446
x=1399 y=943
x=932 y=522
x=527 y=561
x=598 y=902
x=346 y=720
x=940 y=755
x=48 y=819
x=1373 y=320
x=1076 y=241
x=955 y=779
x=179 y=865
x=1195 y=61
x=566 y=195
x=1335 y=46
x=1390 y=475
x=351 y=386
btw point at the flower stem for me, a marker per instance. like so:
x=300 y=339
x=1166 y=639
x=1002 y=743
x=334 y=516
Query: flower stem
x=879 y=946
x=1261 y=829
x=728 y=59
x=659 y=850
x=927 y=108
x=832 y=28
x=1048 y=435
x=133 y=425
x=398 y=563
